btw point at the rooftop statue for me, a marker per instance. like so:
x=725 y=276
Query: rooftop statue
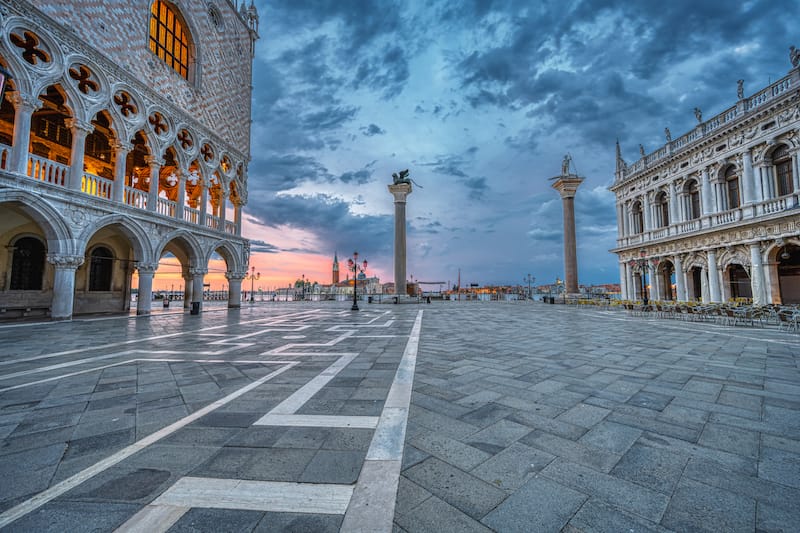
x=698 y=114
x=668 y=134
x=401 y=177
x=794 y=56
x=565 y=165
x=740 y=89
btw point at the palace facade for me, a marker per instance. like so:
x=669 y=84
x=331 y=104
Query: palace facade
x=124 y=138
x=714 y=215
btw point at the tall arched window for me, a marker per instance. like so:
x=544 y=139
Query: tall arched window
x=783 y=170
x=692 y=196
x=662 y=209
x=27 y=265
x=170 y=39
x=100 y=268
x=732 y=187
x=638 y=219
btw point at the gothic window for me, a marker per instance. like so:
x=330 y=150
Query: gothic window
x=662 y=209
x=638 y=219
x=732 y=187
x=693 y=205
x=169 y=37
x=100 y=267
x=783 y=170
x=27 y=265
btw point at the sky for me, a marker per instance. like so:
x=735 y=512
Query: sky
x=480 y=100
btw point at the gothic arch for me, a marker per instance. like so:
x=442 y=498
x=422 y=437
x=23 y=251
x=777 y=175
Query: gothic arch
x=195 y=254
x=736 y=255
x=696 y=259
x=139 y=240
x=229 y=253
x=55 y=228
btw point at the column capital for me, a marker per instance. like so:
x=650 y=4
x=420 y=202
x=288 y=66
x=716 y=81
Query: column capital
x=567 y=186
x=24 y=101
x=153 y=161
x=146 y=268
x=400 y=191
x=198 y=271
x=121 y=146
x=235 y=275
x=66 y=262
x=79 y=126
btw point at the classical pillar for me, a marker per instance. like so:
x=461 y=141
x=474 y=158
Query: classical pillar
x=757 y=285
x=63 y=284
x=748 y=180
x=620 y=221
x=237 y=217
x=79 y=132
x=567 y=185
x=24 y=107
x=144 y=299
x=655 y=286
x=674 y=207
x=713 y=277
x=223 y=200
x=400 y=192
x=198 y=275
x=626 y=220
x=647 y=212
x=152 y=193
x=796 y=173
x=187 y=290
x=623 y=281
x=680 y=279
x=181 y=201
x=121 y=150
x=706 y=194
x=235 y=288
x=631 y=284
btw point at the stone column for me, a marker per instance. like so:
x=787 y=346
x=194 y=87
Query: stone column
x=121 y=150
x=623 y=281
x=235 y=288
x=655 y=286
x=187 y=289
x=631 y=283
x=626 y=219
x=237 y=217
x=646 y=213
x=79 y=132
x=674 y=207
x=680 y=279
x=706 y=194
x=144 y=300
x=796 y=173
x=223 y=200
x=63 y=284
x=181 y=201
x=757 y=285
x=713 y=277
x=748 y=180
x=400 y=192
x=198 y=275
x=567 y=185
x=152 y=192
x=24 y=107
x=203 y=202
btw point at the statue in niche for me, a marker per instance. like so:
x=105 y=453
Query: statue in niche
x=740 y=89
x=565 y=165
x=401 y=177
x=668 y=134
x=794 y=56
x=698 y=114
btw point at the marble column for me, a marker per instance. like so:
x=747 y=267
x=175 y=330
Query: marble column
x=121 y=150
x=235 y=288
x=187 y=289
x=203 y=202
x=706 y=194
x=63 y=284
x=400 y=192
x=180 y=203
x=680 y=279
x=24 y=107
x=79 y=132
x=623 y=281
x=152 y=193
x=237 y=217
x=567 y=185
x=198 y=274
x=646 y=213
x=223 y=200
x=713 y=277
x=757 y=284
x=655 y=286
x=674 y=207
x=144 y=300
x=748 y=180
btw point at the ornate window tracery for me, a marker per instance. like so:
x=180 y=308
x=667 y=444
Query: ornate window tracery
x=170 y=39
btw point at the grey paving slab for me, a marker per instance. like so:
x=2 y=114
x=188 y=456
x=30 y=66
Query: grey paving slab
x=298 y=523
x=699 y=507
x=217 y=520
x=615 y=438
x=512 y=467
x=654 y=468
x=596 y=458
x=454 y=452
x=779 y=466
x=597 y=516
x=77 y=517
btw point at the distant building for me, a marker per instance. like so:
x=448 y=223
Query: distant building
x=124 y=136
x=714 y=214
x=335 y=274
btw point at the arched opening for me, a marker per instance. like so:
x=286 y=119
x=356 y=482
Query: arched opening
x=194 y=193
x=99 y=159
x=732 y=196
x=27 y=265
x=100 y=269
x=7 y=114
x=789 y=273
x=662 y=210
x=739 y=282
x=638 y=218
x=691 y=195
x=695 y=283
x=666 y=274
x=782 y=160
x=137 y=172
x=51 y=139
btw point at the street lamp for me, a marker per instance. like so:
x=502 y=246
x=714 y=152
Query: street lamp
x=353 y=265
x=253 y=277
x=530 y=279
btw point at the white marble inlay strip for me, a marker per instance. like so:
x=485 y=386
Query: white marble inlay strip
x=274 y=496
x=373 y=502
x=290 y=405
x=57 y=490
x=152 y=518
x=321 y=421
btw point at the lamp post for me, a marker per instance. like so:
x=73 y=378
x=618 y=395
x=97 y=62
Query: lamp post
x=642 y=264
x=530 y=279
x=353 y=265
x=253 y=277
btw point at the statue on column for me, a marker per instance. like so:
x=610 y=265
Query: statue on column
x=401 y=177
x=565 y=165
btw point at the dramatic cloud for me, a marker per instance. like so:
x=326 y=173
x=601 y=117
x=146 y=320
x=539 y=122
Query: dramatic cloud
x=481 y=99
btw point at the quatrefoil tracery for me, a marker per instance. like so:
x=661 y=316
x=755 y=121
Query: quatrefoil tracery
x=208 y=153
x=185 y=138
x=29 y=43
x=83 y=77
x=125 y=103
x=157 y=122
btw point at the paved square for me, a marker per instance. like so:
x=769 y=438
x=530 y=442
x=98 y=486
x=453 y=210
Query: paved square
x=442 y=417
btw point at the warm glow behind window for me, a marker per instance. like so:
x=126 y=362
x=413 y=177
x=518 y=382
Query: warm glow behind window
x=169 y=40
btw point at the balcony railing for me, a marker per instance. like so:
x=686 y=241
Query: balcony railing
x=58 y=174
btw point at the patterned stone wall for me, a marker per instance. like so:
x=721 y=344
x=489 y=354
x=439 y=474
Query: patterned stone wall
x=219 y=95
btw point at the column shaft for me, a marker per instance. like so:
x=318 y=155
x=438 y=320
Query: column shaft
x=63 y=285
x=144 y=300
x=570 y=247
x=713 y=277
x=680 y=280
x=24 y=110
x=757 y=284
x=400 y=247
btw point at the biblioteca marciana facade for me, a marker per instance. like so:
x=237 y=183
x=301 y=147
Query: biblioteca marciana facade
x=714 y=215
x=124 y=138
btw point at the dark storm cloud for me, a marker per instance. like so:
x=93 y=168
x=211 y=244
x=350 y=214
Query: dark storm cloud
x=331 y=219
x=372 y=129
x=386 y=72
x=264 y=247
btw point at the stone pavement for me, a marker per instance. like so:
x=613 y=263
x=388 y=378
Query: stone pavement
x=296 y=417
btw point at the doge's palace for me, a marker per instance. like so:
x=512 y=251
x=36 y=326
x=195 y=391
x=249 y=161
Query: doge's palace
x=124 y=137
x=714 y=215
